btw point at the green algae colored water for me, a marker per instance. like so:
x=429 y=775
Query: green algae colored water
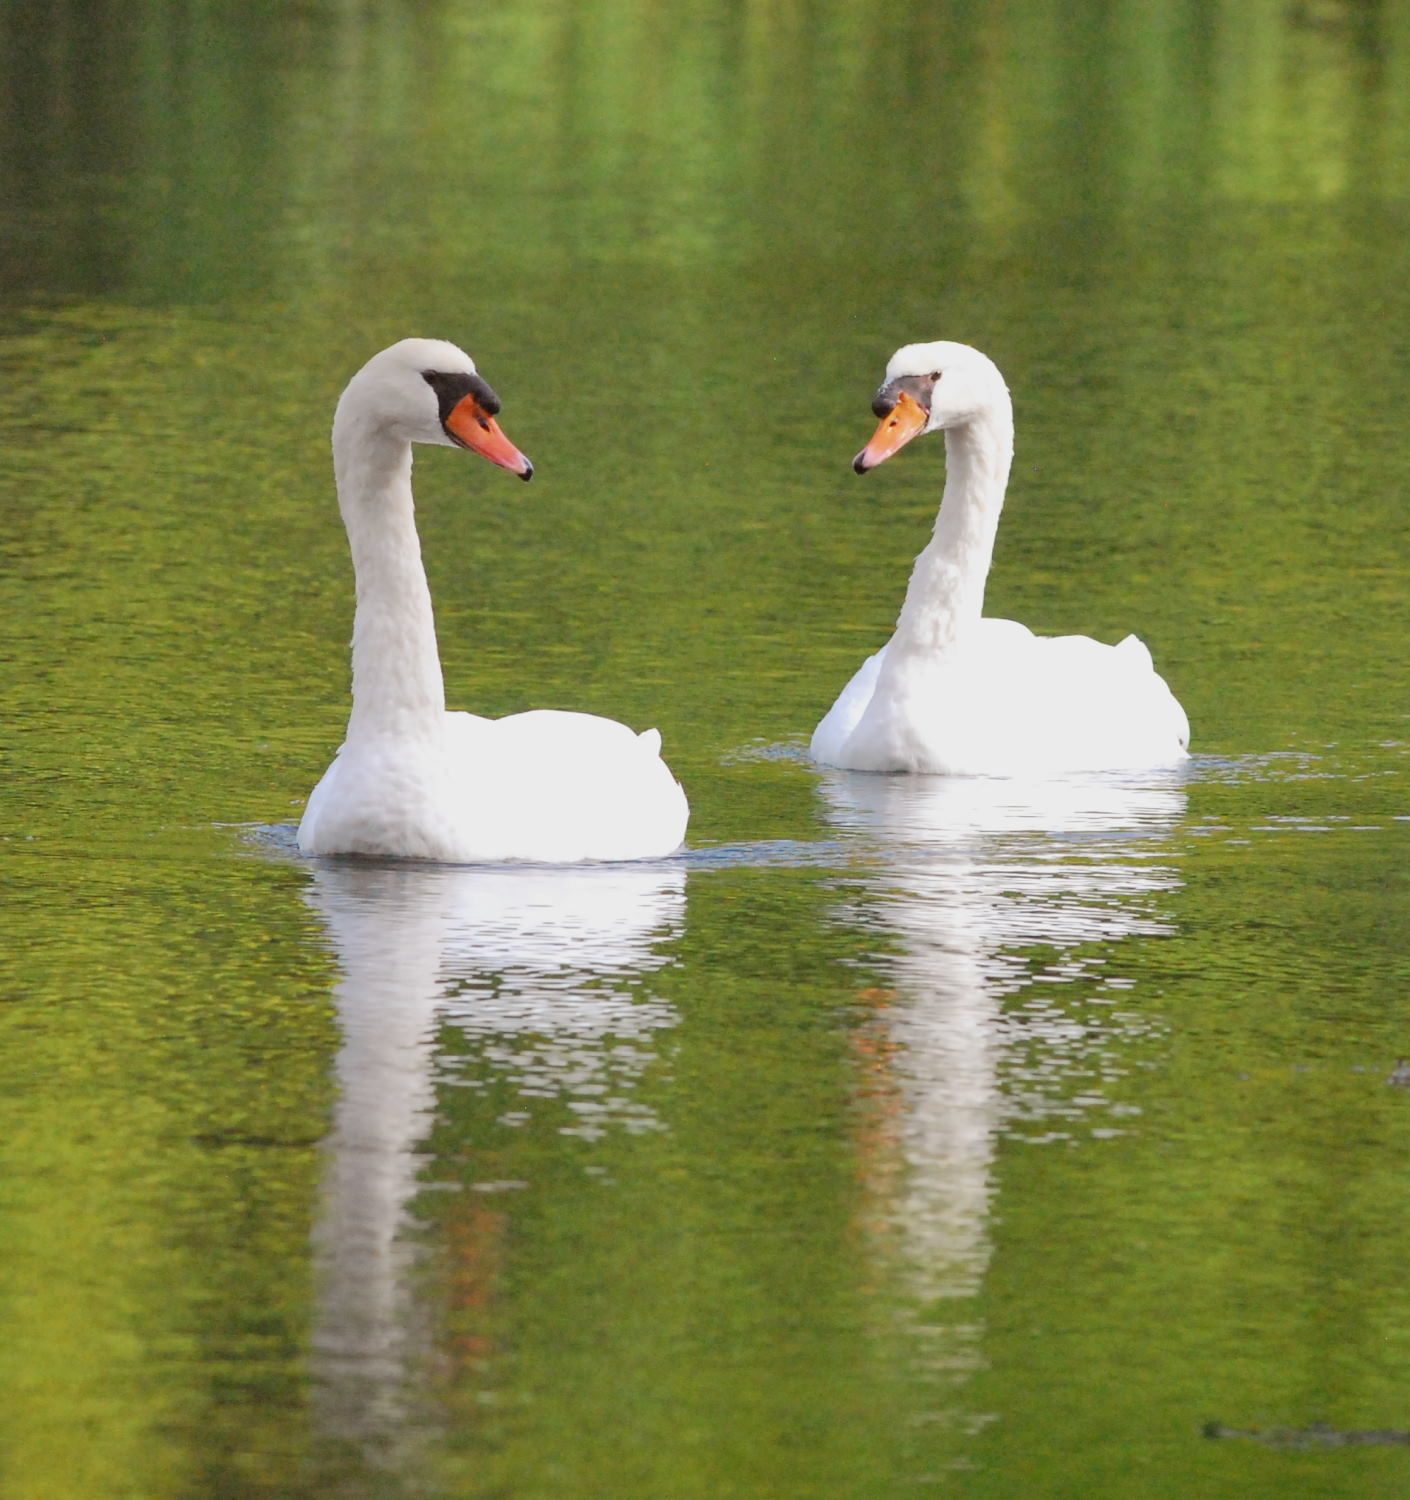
x=902 y=1137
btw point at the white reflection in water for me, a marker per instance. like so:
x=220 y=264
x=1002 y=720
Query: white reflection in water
x=537 y=966
x=965 y=878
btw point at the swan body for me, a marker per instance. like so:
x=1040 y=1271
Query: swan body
x=412 y=780
x=953 y=693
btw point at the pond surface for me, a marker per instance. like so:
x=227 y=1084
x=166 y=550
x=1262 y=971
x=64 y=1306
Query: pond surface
x=901 y=1136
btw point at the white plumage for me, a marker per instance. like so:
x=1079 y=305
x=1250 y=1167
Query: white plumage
x=412 y=780
x=956 y=694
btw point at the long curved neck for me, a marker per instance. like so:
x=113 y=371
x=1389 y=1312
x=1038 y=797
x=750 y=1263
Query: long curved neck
x=397 y=686
x=945 y=598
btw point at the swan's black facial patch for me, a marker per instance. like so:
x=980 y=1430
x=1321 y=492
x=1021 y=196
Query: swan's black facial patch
x=451 y=390
x=919 y=387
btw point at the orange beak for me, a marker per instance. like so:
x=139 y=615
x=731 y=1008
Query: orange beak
x=473 y=427
x=903 y=422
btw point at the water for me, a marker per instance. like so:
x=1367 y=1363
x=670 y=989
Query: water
x=901 y=1135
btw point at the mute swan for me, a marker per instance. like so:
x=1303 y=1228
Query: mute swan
x=956 y=694
x=411 y=779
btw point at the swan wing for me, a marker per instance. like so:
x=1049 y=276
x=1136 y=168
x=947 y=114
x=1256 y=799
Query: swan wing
x=1008 y=703
x=557 y=786
x=1071 y=703
x=837 y=724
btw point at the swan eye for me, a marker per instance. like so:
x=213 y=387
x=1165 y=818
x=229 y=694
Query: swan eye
x=452 y=389
x=936 y=374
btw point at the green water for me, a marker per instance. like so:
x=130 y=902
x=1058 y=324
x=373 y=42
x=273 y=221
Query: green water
x=904 y=1137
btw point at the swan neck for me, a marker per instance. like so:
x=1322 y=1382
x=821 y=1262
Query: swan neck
x=945 y=599
x=397 y=686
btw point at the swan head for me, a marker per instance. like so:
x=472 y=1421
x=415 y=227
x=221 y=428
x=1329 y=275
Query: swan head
x=928 y=388
x=428 y=391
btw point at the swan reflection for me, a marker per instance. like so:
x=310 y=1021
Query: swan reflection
x=536 y=968
x=981 y=889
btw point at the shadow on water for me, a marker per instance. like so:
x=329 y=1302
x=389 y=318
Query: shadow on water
x=277 y=841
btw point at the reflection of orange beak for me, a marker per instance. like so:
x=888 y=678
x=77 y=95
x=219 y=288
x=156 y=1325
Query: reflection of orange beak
x=907 y=418
x=473 y=427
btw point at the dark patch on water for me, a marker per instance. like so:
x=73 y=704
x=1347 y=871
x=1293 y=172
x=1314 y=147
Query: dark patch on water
x=1318 y=1435
x=280 y=841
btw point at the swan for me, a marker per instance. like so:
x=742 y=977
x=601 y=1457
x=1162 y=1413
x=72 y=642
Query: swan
x=952 y=693
x=410 y=779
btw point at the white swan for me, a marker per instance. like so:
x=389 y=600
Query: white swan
x=956 y=694
x=411 y=779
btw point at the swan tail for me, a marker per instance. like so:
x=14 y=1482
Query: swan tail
x=650 y=741
x=1137 y=649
